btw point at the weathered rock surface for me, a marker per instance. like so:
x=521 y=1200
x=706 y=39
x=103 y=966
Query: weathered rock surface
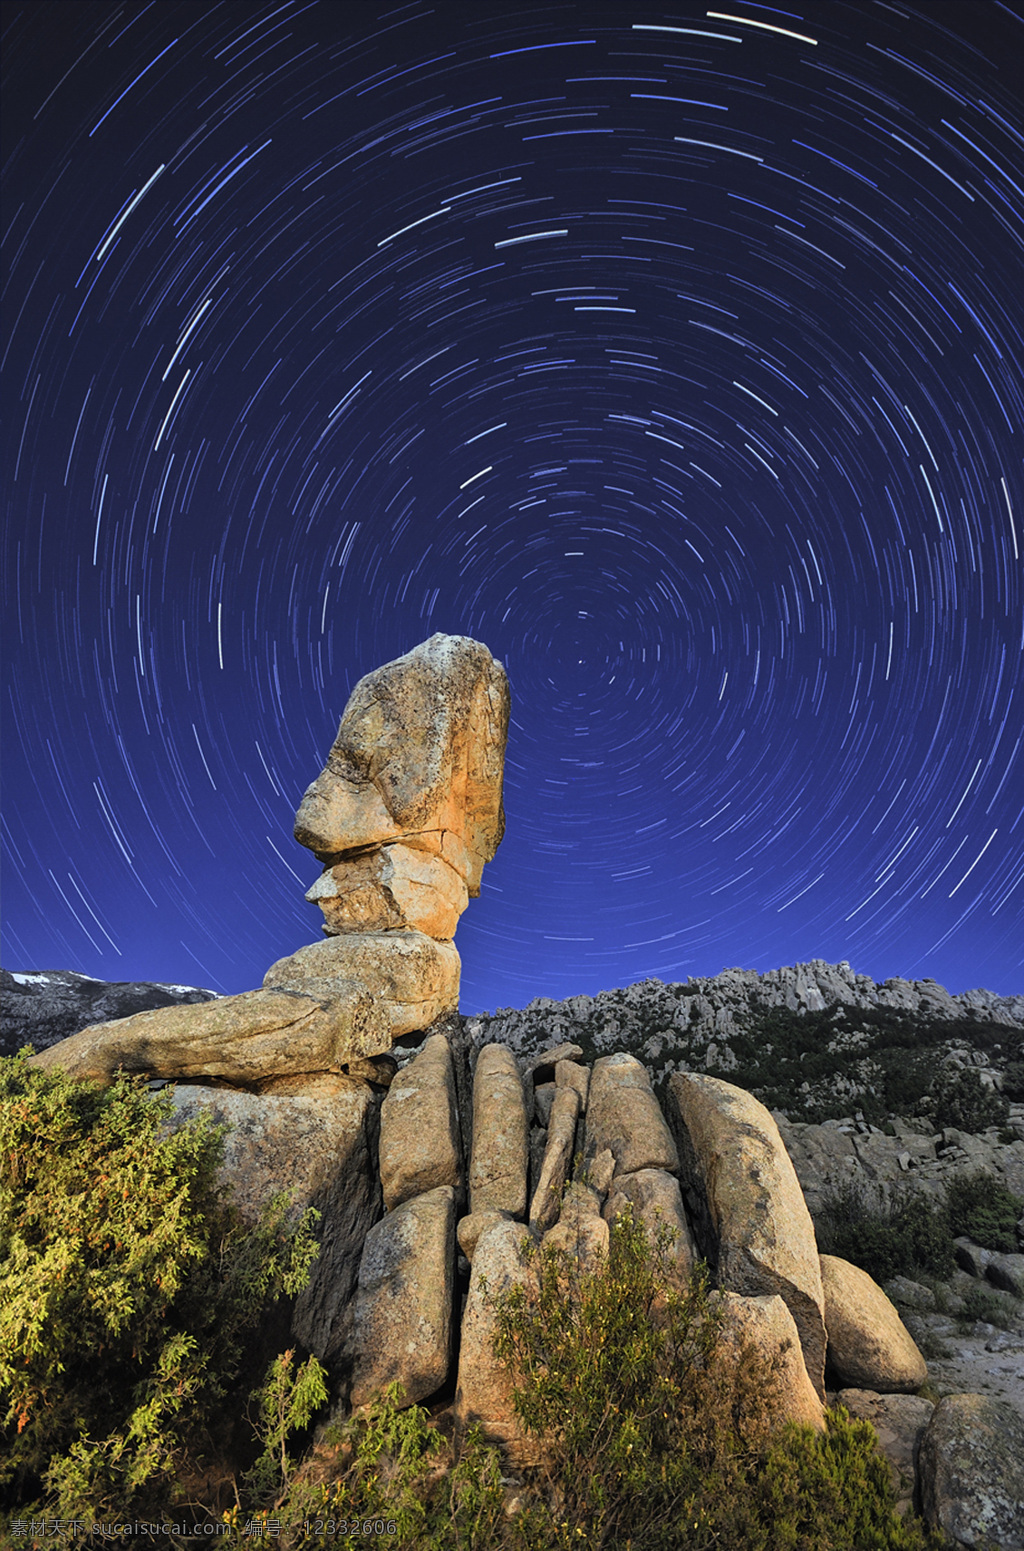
x=558 y=1156
x=749 y=1215
x=472 y=1228
x=497 y=1168
x=899 y=1421
x=624 y=1116
x=420 y=1147
x=40 y=1008
x=391 y=888
x=581 y=1232
x=321 y=1152
x=869 y=1347
x=972 y=1472
x=484 y=1391
x=1007 y=1273
x=654 y=1199
x=415 y=979
x=765 y=1323
x=419 y=753
x=242 y=1040
x=570 y=1074
x=401 y=1317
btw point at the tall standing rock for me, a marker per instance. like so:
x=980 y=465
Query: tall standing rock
x=419 y=1127
x=418 y=759
x=497 y=1167
x=748 y=1210
x=624 y=1116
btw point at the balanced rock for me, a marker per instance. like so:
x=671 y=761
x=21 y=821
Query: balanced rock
x=241 y=1040
x=401 y=1318
x=418 y=756
x=321 y=1153
x=869 y=1347
x=497 y=1167
x=750 y=1218
x=971 y=1471
x=419 y=1127
x=414 y=978
x=624 y=1116
x=765 y=1324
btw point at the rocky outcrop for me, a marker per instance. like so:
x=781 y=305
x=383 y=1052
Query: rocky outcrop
x=39 y=1009
x=972 y=1472
x=241 y=1041
x=750 y=1218
x=558 y=1155
x=417 y=760
x=869 y=1347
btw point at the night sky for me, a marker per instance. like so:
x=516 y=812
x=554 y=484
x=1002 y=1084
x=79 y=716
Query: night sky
x=675 y=353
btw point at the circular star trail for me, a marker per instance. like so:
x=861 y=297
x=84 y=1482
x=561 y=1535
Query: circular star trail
x=673 y=352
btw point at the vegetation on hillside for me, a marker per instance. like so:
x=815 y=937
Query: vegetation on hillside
x=909 y=1233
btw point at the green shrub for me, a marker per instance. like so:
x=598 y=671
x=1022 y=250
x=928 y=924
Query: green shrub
x=904 y=1234
x=982 y=1302
x=130 y=1292
x=962 y=1101
x=983 y=1209
x=654 y=1434
x=1013 y=1081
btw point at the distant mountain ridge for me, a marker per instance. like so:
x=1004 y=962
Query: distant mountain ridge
x=813 y=1039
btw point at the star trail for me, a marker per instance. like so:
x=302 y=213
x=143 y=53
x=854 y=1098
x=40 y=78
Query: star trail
x=673 y=352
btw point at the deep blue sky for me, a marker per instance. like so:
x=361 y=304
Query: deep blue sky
x=673 y=352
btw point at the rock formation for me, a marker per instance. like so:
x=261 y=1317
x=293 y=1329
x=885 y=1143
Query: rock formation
x=404 y=815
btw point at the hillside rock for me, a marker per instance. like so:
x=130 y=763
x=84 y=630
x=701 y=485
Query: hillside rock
x=321 y=1153
x=750 y=1218
x=41 y=1008
x=869 y=1347
x=418 y=757
x=415 y=979
x=240 y=1040
x=972 y=1472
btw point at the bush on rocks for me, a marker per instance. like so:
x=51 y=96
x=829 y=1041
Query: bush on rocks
x=654 y=1433
x=984 y=1210
x=131 y=1297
